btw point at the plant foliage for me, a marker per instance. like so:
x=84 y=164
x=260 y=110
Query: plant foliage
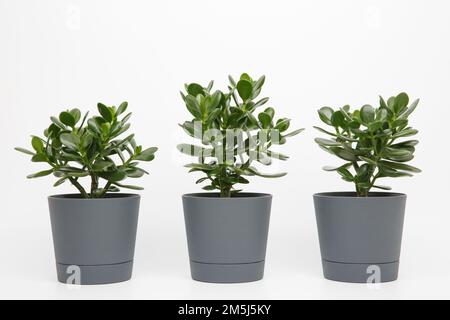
x=76 y=147
x=371 y=141
x=232 y=134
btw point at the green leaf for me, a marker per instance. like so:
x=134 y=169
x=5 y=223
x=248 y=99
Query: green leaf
x=245 y=76
x=405 y=133
x=261 y=102
x=195 y=89
x=201 y=180
x=338 y=120
x=245 y=89
x=67 y=119
x=343 y=154
x=128 y=186
x=122 y=108
x=58 y=123
x=265 y=175
x=114 y=176
x=327 y=142
x=405 y=114
x=345 y=174
x=147 y=154
x=25 y=151
x=37 y=144
x=193 y=106
x=382 y=187
x=367 y=114
x=270 y=112
x=283 y=124
x=76 y=114
x=70 y=140
x=40 y=174
x=400 y=166
x=39 y=158
x=196 y=151
x=336 y=135
x=401 y=101
x=101 y=165
x=293 y=133
x=200 y=166
x=265 y=119
x=325 y=114
x=330 y=168
x=105 y=112
x=60 y=181
x=368 y=160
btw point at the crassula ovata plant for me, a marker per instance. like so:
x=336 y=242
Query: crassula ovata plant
x=91 y=148
x=373 y=142
x=232 y=133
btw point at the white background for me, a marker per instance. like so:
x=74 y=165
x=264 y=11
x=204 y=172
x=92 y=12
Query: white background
x=58 y=54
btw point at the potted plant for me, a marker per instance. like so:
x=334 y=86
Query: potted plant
x=360 y=232
x=227 y=230
x=94 y=231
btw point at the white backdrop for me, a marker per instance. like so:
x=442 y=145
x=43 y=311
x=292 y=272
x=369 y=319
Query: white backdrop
x=56 y=54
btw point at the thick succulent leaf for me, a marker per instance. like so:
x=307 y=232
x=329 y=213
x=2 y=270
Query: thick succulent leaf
x=128 y=186
x=25 y=151
x=266 y=175
x=37 y=144
x=122 y=108
x=105 y=112
x=405 y=114
x=70 y=140
x=147 y=154
x=400 y=166
x=265 y=120
x=382 y=187
x=40 y=174
x=367 y=114
x=325 y=114
x=401 y=101
x=67 y=118
x=327 y=142
x=196 y=151
x=245 y=89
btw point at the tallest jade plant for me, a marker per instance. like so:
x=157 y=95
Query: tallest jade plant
x=95 y=148
x=233 y=133
x=373 y=142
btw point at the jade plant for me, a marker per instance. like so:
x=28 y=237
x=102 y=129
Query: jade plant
x=92 y=148
x=232 y=133
x=373 y=142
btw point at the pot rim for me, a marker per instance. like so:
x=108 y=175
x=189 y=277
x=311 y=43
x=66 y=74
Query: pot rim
x=352 y=195
x=108 y=197
x=211 y=196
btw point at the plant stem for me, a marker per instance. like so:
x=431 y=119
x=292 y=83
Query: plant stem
x=79 y=187
x=94 y=184
x=225 y=192
x=105 y=189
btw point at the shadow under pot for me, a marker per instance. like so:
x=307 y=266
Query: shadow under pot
x=94 y=239
x=360 y=237
x=227 y=237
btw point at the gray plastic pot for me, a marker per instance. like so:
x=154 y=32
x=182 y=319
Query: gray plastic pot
x=94 y=239
x=360 y=238
x=227 y=237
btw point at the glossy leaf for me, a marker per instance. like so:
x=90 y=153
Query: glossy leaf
x=105 y=112
x=244 y=89
x=67 y=118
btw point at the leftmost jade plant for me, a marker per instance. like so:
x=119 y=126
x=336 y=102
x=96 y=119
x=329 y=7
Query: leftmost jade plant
x=91 y=148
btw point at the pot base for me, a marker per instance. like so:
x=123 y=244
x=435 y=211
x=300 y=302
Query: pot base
x=227 y=273
x=90 y=275
x=360 y=272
